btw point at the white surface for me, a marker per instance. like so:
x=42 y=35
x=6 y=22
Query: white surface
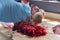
x=49 y=36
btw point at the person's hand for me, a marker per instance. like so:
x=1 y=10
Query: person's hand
x=28 y=20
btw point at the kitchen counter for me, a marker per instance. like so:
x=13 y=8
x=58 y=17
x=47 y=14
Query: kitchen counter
x=50 y=6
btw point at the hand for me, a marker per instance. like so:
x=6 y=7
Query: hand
x=28 y=20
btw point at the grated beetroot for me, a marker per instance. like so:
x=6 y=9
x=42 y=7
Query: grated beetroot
x=30 y=30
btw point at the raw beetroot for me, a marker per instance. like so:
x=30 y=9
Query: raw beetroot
x=30 y=30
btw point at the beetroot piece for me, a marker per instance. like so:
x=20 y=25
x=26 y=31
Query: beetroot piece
x=56 y=29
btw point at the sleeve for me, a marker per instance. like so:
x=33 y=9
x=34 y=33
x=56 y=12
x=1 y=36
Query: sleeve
x=27 y=9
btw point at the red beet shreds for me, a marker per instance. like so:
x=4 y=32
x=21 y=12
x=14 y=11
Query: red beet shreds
x=30 y=30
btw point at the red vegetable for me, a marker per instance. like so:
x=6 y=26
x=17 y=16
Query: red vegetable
x=30 y=30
